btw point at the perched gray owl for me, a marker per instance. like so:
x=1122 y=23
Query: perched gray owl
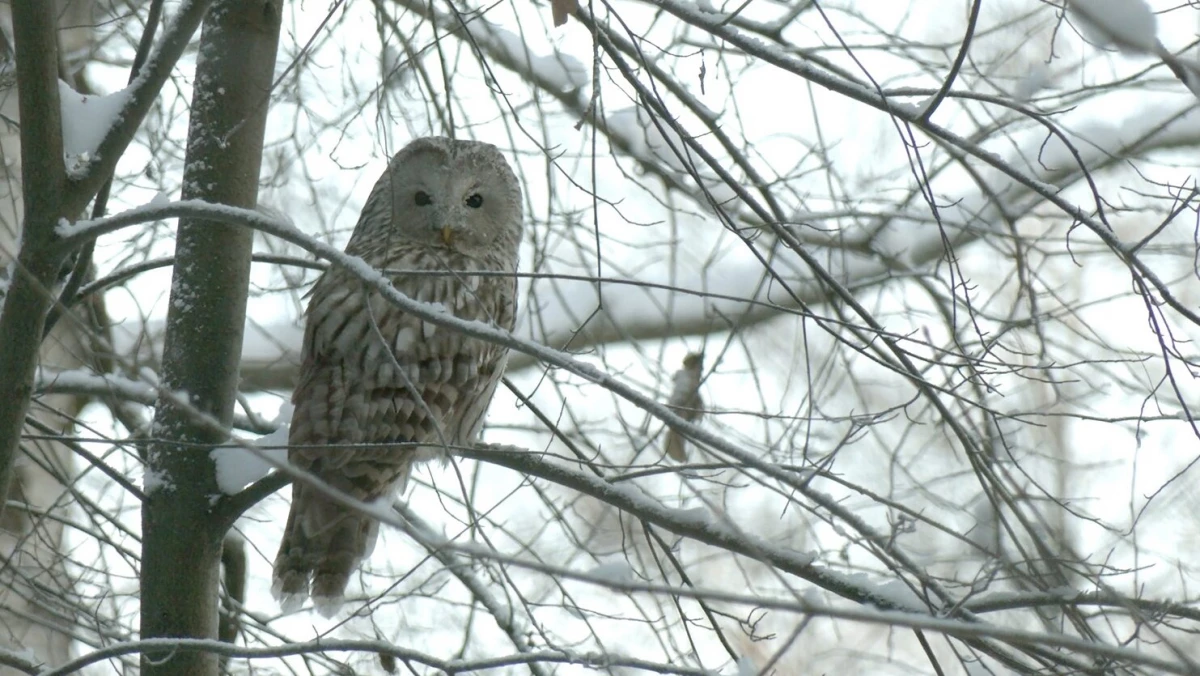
x=379 y=389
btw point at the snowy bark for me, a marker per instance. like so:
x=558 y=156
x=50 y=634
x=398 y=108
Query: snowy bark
x=204 y=338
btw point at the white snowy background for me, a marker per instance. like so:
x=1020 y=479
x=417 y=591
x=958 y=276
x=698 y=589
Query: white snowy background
x=1080 y=403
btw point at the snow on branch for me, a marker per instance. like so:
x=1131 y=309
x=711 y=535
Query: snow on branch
x=437 y=316
x=734 y=289
x=563 y=77
x=25 y=661
x=136 y=100
x=1131 y=27
x=557 y=71
x=238 y=467
x=144 y=392
x=86 y=121
x=876 y=603
x=610 y=660
x=951 y=141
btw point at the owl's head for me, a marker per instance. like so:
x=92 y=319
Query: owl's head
x=456 y=195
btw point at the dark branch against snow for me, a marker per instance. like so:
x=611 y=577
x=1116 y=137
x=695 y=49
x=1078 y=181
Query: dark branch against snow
x=139 y=96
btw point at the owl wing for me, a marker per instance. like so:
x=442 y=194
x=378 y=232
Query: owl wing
x=379 y=389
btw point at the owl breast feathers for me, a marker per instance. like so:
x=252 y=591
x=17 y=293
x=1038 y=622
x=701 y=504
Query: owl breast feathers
x=380 y=389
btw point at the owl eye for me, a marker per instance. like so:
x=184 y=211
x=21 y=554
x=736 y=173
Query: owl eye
x=475 y=201
x=422 y=198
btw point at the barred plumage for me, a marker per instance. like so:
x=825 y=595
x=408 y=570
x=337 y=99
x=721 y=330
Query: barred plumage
x=442 y=206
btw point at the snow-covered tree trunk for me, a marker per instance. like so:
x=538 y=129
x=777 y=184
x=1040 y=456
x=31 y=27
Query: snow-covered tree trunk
x=204 y=333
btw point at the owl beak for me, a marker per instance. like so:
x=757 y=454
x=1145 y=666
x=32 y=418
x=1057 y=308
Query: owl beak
x=447 y=234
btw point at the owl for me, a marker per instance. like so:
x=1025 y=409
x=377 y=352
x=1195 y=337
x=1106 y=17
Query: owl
x=379 y=389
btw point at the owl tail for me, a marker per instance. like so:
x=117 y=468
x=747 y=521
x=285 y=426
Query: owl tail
x=323 y=542
x=676 y=446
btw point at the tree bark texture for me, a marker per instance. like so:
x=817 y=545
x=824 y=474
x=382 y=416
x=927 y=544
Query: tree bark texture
x=181 y=545
x=36 y=613
x=30 y=288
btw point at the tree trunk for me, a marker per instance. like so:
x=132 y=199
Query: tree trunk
x=35 y=590
x=181 y=546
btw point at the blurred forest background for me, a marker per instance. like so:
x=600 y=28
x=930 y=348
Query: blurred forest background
x=940 y=258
